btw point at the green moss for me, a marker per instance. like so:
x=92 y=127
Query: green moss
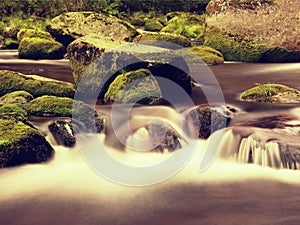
x=10 y=43
x=275 y=93
x=129 y=89
x=21 y=143
x=209 y=55
x=29 y=33
x=12 y=81
x=153 y=25
x=163 y=40
x=65 y=107
x=40 y=48
x=16 y=97
x=232 y=47
x=13 y=107
x=186 y=24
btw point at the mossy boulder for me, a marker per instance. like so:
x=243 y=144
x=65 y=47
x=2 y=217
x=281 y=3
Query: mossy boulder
x=66 y=107
x=96 y=63
x=208 y=119
x=209 y=55
x=153 y=25
x=67 y=27
x=21 y=97
x=164 y=40
x=30 y=33
x=13 y=108
x=21 y=143
x=37 y=86
x=40 y=48
x=133 y=87
x=10 y=43
x=272 y=93
x=63 y=133
x=186 y=24
x=276 y=25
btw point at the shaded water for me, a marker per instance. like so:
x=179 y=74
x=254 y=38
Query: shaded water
x=67 y=191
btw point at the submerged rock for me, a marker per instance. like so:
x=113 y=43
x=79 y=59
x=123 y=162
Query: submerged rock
x=272 y=93
x=69 y=26
x=208 y=119
x=20 y=143
x=63 y=133
x=35 y=85
x=66 y=107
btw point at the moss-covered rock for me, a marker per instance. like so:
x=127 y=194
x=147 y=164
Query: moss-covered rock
x=13 y=108
x=62 y=131
x=208 y=119
x=164 y=40
x=97 y=63
x=186 y=24
x=66 y=107
x=10 y=43
x=276 y=24
x=30 y=33
x=40 y=48
x=273 y=93
x=13 y=81
x=133 y=86
x=21 y=143
x=153 y=25
x=209 y=55
x=21 y=97
x=67 y=27
x=233 y=48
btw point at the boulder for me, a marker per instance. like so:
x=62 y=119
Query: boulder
x=37 y=86
x=21 y=143
x=205 y=53
x=63 y=133
x=21 y=97
x=137 y=86
x=69 y=26
x=30 y=33
x=164 y=40
x=40 y=48
x=207 y=119
x=272 y=93
x=237 y=48
x=66 y=107
x=13 y=108
x=89 y=55
x=272 y=38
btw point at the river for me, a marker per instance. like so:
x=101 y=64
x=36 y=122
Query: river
x=67 y=190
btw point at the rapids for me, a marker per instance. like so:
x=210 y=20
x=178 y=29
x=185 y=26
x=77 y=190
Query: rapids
x=238 y=176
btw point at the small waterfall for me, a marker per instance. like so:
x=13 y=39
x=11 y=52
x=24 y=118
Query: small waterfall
x=259 y=146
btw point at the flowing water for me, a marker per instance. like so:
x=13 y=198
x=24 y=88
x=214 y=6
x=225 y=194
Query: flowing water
x=253 y=180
